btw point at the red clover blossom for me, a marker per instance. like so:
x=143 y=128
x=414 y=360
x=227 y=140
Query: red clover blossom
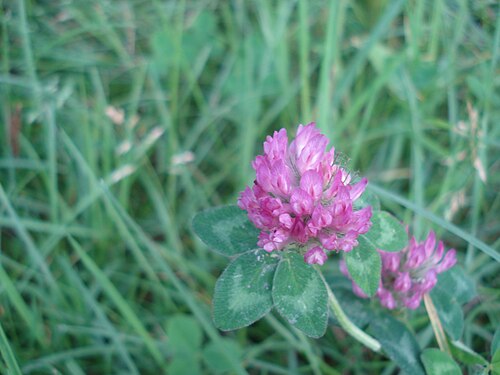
x=302 y=196
x=409 y=274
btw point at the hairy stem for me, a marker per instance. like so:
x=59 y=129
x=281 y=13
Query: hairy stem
x=345 y=322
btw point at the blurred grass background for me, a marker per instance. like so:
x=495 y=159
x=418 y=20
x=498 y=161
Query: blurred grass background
x=121 y=119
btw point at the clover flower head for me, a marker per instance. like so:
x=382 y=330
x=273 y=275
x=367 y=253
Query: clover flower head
x=302 y=196
x=409 y=274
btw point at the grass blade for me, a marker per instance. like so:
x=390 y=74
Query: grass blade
x=110 y=290
x=8 y=354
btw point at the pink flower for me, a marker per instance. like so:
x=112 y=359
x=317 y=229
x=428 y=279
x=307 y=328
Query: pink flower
x=302 y=197
x=411 y=273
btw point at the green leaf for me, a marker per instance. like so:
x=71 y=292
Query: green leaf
x=386 y=233
x=368 y=198
x=300 y=295
x=398 y=343
x=184 y=334
x=454 y=288
x=466 y=355
x=364 y=265
x=457 y=283
x=215 y=355
x=243 y=291
x=226 y=230
x=184 y=340
x=450 y=313
x=437 y=362
x=495 y=343
x=495 y=363
x=184 y=365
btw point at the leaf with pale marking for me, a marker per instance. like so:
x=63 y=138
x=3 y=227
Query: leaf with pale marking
x=368 y=198
x=453 y=289
x=386 y=233
x=226 y=230
x=450 y=313
x=243 y=291
x=437 y=362
x=300 y=295
x=364 y=265
x=399 y=343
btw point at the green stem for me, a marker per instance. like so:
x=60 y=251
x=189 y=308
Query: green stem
x=345 y=323
x=436 y=324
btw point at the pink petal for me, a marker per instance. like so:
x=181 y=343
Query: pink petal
x=312 y=183
x=358 y=189
x=448 y=261
x=286 y=220
x=301 y=202
x=299 y=231
x=390 y=261
x=429 y=244
x=429 y=281
x=328 y=240
x=316 y=255
x=386 y=299
x=413 y=302
x=343 y=268
x=321 y=218
x=275 y=147
x=402 y=282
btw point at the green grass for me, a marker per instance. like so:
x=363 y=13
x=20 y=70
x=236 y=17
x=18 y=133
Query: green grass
x=97 y=252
